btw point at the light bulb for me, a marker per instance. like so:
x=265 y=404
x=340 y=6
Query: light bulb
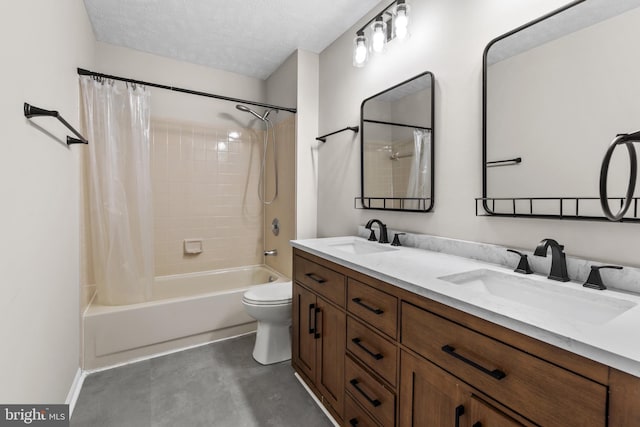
x=379 y=37
x=401 y=19
x=360 y=51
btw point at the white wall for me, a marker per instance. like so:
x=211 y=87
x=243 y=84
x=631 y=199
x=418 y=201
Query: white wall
x=448 y=38
x=124 y=62
x=307 y=146
x=42 y=42
x=282 y=87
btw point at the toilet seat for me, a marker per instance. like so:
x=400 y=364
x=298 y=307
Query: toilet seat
x=271 y=294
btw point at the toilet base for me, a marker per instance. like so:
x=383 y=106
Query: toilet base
x=273 y=343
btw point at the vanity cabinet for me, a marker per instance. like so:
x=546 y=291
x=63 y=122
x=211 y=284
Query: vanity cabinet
x=433 y=398
x=410 y=361
x=319 y=328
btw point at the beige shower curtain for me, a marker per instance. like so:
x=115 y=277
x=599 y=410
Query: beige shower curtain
x=117 y=125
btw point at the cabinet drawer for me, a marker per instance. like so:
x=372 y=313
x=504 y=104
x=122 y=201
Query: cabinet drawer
x=542 y=392
x=377 y=308
x=370 y=393
x=326 y=282
x=372 y=349
x=355 y=416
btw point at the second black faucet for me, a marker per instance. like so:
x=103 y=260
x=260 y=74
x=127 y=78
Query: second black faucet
x=558 y=261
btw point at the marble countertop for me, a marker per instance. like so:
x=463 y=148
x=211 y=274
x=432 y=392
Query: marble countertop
x=614 y=342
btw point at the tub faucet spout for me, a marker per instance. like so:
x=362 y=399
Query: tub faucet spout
x=272 y=252
x=558 y=260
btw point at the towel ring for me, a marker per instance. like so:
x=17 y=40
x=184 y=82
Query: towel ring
x=626 y=139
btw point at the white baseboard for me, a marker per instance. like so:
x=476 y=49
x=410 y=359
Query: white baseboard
x=74 y=391
x=315 y=398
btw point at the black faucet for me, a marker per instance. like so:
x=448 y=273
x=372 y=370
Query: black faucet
x=383 y=230
x=558 y=261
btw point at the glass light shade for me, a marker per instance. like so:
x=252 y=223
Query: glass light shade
x=360 y=51
x=401 y=20
x=379 y=35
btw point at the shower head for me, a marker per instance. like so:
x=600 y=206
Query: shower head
x=249 y=110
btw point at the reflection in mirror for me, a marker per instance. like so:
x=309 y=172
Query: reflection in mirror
x=397 y=147
x=556 y=93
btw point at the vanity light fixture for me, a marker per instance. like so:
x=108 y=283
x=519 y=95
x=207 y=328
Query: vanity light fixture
x=392 y=22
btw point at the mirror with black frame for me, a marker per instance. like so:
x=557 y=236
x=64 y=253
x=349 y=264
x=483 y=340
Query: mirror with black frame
x=556 y=92
x=397 y=147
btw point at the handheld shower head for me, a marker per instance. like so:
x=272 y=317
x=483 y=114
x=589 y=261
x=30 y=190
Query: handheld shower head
x=249 y=110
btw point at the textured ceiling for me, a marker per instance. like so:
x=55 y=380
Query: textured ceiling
x=573 y=19
x=249 y=37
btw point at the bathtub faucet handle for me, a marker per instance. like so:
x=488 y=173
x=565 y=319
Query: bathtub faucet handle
x=272 y=252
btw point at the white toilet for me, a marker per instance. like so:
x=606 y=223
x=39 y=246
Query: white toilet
x=270 y=305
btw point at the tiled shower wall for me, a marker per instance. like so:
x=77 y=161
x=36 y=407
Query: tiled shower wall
x=284 y=206
x=204 y=186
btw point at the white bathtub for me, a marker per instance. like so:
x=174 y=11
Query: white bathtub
x=186 y=309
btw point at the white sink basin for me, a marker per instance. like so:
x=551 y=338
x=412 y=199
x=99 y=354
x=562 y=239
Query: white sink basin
x=362 y=247
x=558 y=300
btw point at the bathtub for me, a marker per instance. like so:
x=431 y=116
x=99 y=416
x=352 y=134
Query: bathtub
x=185 y=310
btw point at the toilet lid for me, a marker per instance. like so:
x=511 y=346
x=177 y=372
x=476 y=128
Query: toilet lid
x=273 y=293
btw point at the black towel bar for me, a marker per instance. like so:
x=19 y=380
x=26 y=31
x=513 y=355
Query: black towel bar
x=323 y=138
x=32 y=111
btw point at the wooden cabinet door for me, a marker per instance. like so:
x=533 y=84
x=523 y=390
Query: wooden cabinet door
x=484 y=415
x=304 y=342
x=330 y=349
x=429 y=397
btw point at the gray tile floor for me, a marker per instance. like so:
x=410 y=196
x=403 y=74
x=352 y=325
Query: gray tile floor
x=215 y=385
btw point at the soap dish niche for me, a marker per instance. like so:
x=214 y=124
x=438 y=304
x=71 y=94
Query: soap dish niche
x=192 y=246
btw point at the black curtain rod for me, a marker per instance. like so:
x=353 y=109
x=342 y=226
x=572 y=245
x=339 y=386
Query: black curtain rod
x=83 y=72
x=323 y=138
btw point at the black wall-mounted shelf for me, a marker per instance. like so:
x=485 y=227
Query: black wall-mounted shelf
x=393 y=203
x=571 y=208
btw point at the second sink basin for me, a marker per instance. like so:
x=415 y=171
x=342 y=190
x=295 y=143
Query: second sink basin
x=558 y=300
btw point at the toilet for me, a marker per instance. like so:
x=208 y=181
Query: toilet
x=270 y=305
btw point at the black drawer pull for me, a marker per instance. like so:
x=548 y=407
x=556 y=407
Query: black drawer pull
x=315 y=323
x=312 y=327
x=374 y=402
x=459 y=413
x=353 y=422
x=368 y=307
x=478 y=424
x=315 y=278
x=357 y=341
x=496 y=373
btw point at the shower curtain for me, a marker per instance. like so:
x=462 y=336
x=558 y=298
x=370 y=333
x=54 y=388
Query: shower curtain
x=419 y=185
x=116 y=121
